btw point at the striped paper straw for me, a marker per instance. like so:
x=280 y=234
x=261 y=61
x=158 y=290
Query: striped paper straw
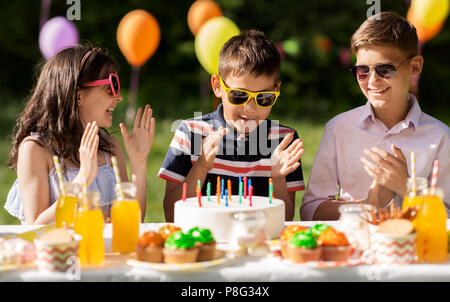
x=84 y=191
x=434 y=176
x=116 y=174
x=62 y=189
x=413 y=172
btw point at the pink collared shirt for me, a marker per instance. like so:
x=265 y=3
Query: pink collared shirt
x=337 y=168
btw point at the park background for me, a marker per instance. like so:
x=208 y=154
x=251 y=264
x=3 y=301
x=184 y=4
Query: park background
x=313 y=37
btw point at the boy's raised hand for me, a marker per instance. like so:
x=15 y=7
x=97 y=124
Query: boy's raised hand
x=285 y=159
x=387 y=170
x=88 y=152
x=210 y=148
x=139 y=143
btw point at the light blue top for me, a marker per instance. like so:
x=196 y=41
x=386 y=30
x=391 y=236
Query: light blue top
x=104 y=183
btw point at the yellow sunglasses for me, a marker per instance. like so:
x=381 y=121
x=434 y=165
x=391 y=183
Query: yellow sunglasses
x=241 y=97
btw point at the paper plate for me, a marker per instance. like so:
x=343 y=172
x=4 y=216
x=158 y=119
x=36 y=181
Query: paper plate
x=10 y=267
x=219 y=259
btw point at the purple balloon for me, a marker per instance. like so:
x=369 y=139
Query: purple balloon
x=58 y=33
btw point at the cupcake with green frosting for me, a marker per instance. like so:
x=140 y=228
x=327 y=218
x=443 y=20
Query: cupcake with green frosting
x=180 y=248
x=303 y=247
x=205 y=242
x=317 y=229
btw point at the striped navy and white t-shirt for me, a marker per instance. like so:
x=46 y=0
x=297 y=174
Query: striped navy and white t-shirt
x=238 y=155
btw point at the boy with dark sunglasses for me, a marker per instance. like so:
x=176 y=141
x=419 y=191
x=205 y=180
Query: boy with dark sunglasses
x=238 y=140
x=364 y=155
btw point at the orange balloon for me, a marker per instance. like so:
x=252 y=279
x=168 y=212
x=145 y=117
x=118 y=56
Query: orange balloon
x=423 y=33
x=200 y=12
x=138 y=36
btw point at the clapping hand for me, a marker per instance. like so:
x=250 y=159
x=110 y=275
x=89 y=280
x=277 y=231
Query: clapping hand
x=285 y=159
x=210 y=148
x=139 y=143
x=386 y=169
x=88 y=152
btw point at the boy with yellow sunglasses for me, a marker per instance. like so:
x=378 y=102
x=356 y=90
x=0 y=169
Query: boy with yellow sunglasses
x=237 y=140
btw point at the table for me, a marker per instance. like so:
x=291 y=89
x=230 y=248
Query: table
x=247 y=269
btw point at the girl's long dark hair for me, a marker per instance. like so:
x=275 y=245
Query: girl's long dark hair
x=52 y=109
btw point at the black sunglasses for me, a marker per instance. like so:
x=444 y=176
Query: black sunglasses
x=386 y=71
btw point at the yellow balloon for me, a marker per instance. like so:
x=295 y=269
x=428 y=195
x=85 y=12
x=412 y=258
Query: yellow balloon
x=430 y=13
x=210 y=39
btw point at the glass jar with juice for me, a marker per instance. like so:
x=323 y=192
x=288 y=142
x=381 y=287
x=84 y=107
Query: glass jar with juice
x=89 y=225
x=431 y=228
x=67 y=205
x=412 y=198
x=125 y=218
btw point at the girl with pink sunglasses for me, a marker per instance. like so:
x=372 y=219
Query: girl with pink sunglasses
x=67 y=114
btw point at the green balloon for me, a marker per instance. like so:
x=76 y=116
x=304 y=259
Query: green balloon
x=210 y=39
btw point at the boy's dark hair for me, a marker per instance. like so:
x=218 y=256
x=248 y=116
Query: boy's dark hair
x=386 y=29
x=250 y=52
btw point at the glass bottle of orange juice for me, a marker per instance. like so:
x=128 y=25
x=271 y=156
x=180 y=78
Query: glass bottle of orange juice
x=431 y=228
x=67 y=205
x=125 y=218
x=89 y=225
x=412 y=199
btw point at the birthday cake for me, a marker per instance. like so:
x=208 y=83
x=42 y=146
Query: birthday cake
x=219 y=217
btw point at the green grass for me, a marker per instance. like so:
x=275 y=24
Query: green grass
x=309 y=133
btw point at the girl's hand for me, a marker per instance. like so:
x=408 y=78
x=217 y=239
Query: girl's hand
x=285 y=161
x=139 y=143
x=210 y=148
x=88 y=152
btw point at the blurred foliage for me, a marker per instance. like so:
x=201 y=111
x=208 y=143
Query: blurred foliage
x=316 y=86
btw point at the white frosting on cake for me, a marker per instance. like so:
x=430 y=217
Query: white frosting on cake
x=218 y=217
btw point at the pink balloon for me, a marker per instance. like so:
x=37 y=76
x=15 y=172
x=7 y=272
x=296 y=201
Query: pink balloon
x=57 y=34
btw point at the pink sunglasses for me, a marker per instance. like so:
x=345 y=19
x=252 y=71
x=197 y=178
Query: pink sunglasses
x=112 y=81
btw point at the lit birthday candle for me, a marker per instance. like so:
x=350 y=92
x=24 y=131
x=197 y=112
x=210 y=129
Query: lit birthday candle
x=199 y=194
x=222 y=188
x=184 y=191
x=229 y=189
x=240 y=190
x=250 y=194
x=218 y=189
x=270 y=190
x=208 y=190
x=226 y=197
x=245 y=187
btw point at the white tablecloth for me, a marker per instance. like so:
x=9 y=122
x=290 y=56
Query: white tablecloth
x=267 y=269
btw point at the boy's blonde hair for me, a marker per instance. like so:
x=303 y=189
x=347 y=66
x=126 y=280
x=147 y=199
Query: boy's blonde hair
x=249 y=53
x=386 y=29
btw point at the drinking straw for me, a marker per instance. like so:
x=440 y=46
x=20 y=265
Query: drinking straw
x=434 y=176
x=251 y=194
x=84 y=191
x=245 y=187
x=226 y=197
x=413 y=173
x=62 y=188
x=116 y=174
x=184 y=191
x=208 y=190
x=270 y=190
